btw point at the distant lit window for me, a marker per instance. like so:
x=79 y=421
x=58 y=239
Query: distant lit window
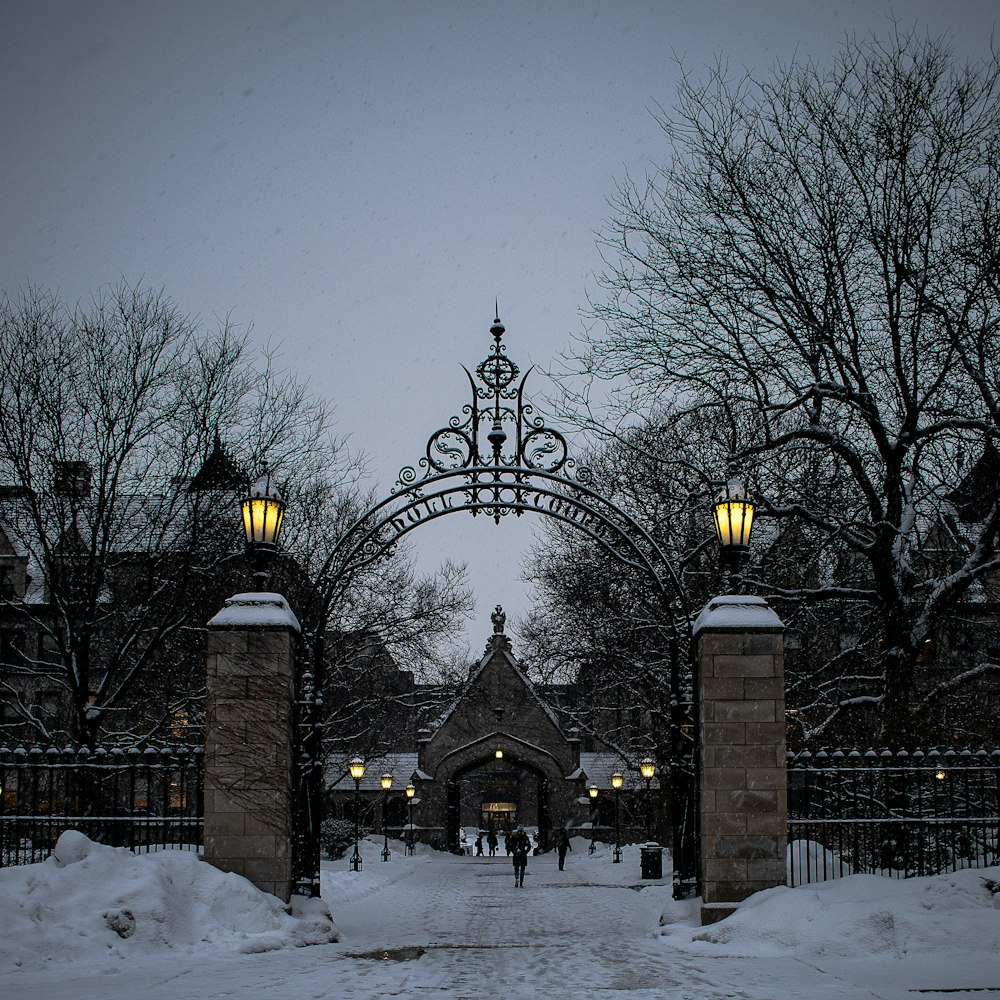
x=179 y=723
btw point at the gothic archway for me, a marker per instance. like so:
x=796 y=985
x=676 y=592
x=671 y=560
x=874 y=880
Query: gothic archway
x=496 y=459
x=480 y=757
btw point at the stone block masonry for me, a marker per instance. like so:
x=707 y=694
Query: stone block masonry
x=743 y=781
x=249 y=740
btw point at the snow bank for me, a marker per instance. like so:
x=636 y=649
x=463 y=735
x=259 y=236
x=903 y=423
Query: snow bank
x=88 y=902
x=855 y=917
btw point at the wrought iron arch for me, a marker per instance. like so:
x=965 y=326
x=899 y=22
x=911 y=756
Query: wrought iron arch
x=497 y=458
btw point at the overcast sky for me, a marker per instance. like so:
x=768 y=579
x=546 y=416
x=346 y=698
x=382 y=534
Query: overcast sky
x=360 y=181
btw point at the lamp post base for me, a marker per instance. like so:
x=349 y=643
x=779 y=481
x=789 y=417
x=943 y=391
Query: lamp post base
x=385 y=853
x=356 y=861
x=617 y=858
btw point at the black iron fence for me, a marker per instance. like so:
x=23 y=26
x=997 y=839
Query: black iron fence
x=140 y=798
x=897 y=814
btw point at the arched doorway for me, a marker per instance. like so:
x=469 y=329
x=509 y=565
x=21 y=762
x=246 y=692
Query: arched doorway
x=497 y=459
x=491 y=793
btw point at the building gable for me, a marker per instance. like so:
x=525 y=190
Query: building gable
x=499 y=698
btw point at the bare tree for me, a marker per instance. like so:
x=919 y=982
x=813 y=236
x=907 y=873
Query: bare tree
x=816 y=266
x=120 y=510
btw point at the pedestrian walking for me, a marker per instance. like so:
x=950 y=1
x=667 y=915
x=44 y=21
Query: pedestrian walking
x=479 y=846
x=519 y=846
x=562 y=846
x=491 y=839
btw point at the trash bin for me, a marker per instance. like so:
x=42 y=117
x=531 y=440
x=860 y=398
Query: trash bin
x=651 y=860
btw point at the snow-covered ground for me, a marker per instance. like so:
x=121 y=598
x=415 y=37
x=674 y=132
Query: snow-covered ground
x=99 y=923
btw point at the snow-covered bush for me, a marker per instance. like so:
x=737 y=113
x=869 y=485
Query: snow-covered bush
x=336 y=836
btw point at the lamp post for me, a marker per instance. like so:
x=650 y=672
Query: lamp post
x=263 y=513
x=357 y=769
x=410 y=792
x=616 y=784
x=647 y=768
x=733 y=514
x=592 y=792
x=386 y=785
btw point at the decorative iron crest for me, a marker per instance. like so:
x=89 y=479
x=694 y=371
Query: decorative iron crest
x=498 y=438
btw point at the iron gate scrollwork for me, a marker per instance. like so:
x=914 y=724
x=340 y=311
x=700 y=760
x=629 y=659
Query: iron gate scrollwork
x=497 y=458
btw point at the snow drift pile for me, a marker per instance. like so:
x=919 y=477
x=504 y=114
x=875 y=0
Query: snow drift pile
x=87 y=901
x=856 y=917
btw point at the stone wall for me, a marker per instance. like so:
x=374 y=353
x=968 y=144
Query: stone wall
x=248 y=740
x=743 y=777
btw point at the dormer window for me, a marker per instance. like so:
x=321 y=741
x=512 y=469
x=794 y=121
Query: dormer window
x=13 y=577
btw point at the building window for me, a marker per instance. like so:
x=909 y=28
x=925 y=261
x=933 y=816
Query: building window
x=179 y=723
x=11 y=648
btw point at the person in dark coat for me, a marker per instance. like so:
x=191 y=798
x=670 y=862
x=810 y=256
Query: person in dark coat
x=562 y=846
x=491 y=839
x=519 y=847
x=479 y=846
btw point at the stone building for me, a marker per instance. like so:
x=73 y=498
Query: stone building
x=497 y=757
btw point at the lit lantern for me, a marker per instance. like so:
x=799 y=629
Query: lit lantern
x=357 y=768
x=734 y=517
x=616 y=781
x=386 y=782
x=592 y=791
x=263 y=514
x=733 y=514
x=647 y=768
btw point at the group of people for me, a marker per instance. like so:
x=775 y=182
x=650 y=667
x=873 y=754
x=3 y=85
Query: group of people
x=518 y=846
x=491 y=843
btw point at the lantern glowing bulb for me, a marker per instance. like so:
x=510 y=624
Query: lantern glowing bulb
x=410 y=791
x=733 y=513
x=647 y=768
x=263 y=513
x=386 y=782
x=592 y=791
x=357 y=768
x=499 y=755
x=616 y=780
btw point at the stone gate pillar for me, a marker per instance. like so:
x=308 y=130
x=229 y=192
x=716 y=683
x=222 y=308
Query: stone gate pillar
x=743 y=777
x=249 y=740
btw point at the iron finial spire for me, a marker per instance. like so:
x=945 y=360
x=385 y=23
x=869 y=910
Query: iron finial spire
x=497 y=329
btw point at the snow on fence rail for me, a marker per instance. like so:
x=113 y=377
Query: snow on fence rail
x=142 y=798
x=891 y=813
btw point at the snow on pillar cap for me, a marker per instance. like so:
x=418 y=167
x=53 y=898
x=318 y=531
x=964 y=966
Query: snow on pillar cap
x=256 y=611
x=738 y=613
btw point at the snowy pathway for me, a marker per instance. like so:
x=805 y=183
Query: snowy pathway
x=442 y=926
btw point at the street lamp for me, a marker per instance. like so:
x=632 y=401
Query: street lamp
x=616 y=784
x=263 y=513
x=592 y=792
x=386 y=785
x=647 y=768
x=357 y=769
x=733 y=513
x=410 y=792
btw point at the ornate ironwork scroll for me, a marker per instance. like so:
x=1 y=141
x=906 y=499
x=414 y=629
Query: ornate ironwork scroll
x=498 y=430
